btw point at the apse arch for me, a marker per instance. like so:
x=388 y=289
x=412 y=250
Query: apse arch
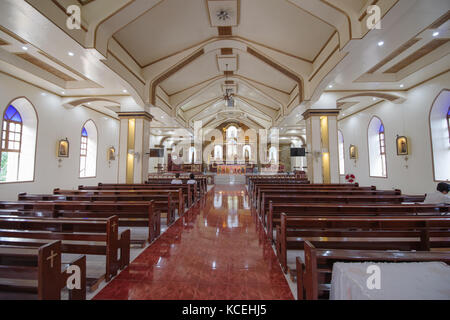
x=88 y=150
x=376 y=148
x=440 y=136
x=18 y=164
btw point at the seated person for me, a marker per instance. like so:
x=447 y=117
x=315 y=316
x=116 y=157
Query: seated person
x=177 y=179
x=191 y=179
x=441 y=196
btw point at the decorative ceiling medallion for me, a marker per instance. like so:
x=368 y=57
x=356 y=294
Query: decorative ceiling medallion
x=223 y=13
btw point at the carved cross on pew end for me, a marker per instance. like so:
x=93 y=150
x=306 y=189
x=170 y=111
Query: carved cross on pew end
x=52 y=256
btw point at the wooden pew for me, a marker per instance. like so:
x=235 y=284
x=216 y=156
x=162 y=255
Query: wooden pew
x=255 y=194
x=333 y=199
x=254 y=182
x=326 y=209
x=313 y=276
x=35 y=271
x=267 y=195
x=281 y=187
x=161 y=202
x=202 y=181
x=92 y=236
x=187 y=190
x=349 y=232
x=130 y=214
x=195 y=191
x=249 y=177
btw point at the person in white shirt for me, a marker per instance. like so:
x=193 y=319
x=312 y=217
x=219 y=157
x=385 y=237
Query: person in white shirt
x=177 y=179
x=191 y=179
x=441 y=196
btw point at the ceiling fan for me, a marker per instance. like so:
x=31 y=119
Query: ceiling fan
x=223 y=15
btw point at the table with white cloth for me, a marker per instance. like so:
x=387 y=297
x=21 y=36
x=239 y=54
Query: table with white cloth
x=399 y=281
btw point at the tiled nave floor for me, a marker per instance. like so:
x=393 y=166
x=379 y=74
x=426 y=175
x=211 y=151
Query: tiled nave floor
x=216 y=251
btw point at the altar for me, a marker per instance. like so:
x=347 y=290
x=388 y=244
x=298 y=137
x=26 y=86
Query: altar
x=231 y=169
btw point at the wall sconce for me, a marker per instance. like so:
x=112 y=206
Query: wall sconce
x=353 y=153
x=402 y=144
x=62 y=150
x=111 y=154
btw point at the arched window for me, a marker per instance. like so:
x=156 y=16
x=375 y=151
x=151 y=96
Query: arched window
x=88 y=150
x=341 y=153
x=218 y=152
x=382 y=149
x=231 y=132
x=440 y=136
x=19 y=128
x=11 y=144
x=377 y=148
x=231 y=149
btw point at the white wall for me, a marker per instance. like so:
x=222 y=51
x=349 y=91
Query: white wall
x=55 y=122
x=410 y=119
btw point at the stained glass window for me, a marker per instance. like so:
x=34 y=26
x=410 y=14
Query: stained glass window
x=382 y=149
x=83 y=152
x=11 y=130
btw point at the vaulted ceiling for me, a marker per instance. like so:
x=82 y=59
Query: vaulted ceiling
x=177 y=57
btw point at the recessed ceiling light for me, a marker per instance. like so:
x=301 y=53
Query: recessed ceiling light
x=330 y=86
x=124 y=91
x=89 y=103
x=71 y=54
x=43 y=94
x=374 y=99
x=381 y=43
x=25 y=48
x=435 y=34
x=402 y=85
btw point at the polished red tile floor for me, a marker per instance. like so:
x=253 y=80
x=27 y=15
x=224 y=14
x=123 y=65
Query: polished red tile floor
x=216 y=251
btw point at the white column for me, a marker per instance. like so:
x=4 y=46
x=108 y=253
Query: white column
x=134 y=147
x=320 y=146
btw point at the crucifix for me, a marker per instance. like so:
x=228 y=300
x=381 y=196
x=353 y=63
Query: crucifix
x=51 y=257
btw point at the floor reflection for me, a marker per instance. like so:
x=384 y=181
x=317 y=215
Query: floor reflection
x=216 y=251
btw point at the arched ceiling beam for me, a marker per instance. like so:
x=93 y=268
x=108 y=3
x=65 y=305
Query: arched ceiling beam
x=281 y=69
x=180 y=99
x=326 y=14
x=381 y=95
x=270 y=113
x=171 y=72
x=247 y=122
x=78 y=102
x=118 y=20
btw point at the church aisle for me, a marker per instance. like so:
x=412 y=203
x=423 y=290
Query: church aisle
x=216 y=251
